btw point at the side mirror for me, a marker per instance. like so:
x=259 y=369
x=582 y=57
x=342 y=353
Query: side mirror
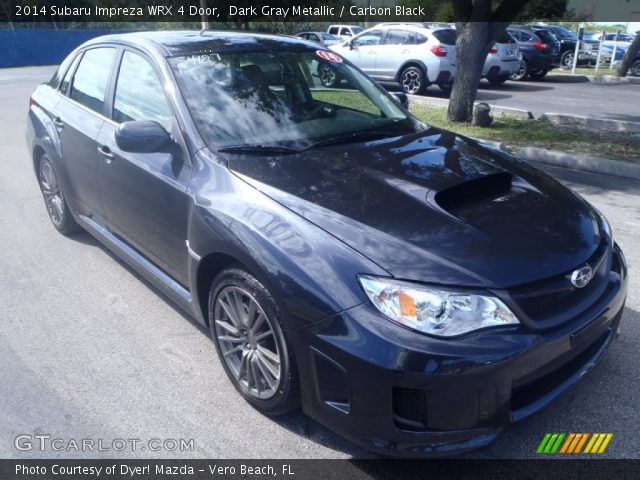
x=401 y=98
x=141 y=136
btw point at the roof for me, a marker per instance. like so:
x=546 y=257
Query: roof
x=189 y=42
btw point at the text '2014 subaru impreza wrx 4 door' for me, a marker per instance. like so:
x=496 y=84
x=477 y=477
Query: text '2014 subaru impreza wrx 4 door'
x=409 y=288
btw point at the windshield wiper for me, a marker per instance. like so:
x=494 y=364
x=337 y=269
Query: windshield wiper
x=352 y=138
x=258 y=149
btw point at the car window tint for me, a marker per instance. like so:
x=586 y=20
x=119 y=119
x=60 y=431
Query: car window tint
x=91 y=79
x=420 y=38
x=369 y=38
x=345 y=31
x=333 y=30
x=314 y=37
x=447 y=36
x=399 y=37
x=139 y=94
x=64 y=86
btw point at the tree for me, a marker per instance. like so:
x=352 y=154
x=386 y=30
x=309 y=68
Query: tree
x=629 y=57
x=478 y=26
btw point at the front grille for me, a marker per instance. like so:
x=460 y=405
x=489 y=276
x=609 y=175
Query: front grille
x=551 y=302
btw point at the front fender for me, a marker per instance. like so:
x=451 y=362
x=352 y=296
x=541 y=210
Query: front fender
x=311 y=274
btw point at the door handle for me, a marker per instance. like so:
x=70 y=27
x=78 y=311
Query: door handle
x=58 y=123
x=106 y=153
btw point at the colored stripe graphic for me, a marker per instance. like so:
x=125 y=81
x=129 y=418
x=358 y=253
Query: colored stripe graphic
x=573 y=443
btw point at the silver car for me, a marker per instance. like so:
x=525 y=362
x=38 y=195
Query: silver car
x=502 y=61
x=413 y=55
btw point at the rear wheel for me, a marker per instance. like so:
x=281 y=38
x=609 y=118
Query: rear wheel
x=522 y=71
x=247 y=329
x=412 y=80
x=328 y=76
x=57 y=207
x=445 y=87
x=635 y=69
x=497 y=80
x=538 y=74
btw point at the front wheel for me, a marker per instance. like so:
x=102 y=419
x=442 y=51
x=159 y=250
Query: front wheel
x=567 y=59
x=57 y=207
x=250 y=339
x=412 y=80
x=522 y=72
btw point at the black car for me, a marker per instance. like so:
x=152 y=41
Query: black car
x=587 y=53
x=410 y=288
x=540 y=51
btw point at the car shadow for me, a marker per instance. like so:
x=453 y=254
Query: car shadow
x=86 y=238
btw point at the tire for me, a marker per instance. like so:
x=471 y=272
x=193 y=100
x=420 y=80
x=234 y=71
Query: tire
x=259 y=360
x=445 y=87
x=328 y=76
x=566 y=60
x=635 y=69
x=538 y=74
x=412 y=80
x=522 y=72
x=496 y=81
x=54 y=199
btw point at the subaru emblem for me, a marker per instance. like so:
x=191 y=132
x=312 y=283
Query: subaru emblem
x=581 y=277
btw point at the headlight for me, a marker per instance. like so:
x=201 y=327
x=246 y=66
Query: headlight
x=433 y=310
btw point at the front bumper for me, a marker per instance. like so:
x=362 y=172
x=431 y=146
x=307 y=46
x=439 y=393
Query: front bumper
x=399 y=393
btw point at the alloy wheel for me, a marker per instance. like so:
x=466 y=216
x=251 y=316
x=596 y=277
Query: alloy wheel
x=327 y=76
x=247 y=342
x=52 y=194
x=411 y=81
x=567 y=60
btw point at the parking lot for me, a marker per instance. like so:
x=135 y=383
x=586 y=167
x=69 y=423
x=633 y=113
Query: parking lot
x=89 y=350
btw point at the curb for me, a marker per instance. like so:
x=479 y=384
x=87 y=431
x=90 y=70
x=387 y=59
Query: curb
x=590 y=122
x=613 y=80
x=444 y=102
x=578 y=162
x=599 y=79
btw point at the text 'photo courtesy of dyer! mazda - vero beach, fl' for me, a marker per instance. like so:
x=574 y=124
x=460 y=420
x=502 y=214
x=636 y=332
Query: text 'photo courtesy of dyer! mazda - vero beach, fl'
x=246 y=240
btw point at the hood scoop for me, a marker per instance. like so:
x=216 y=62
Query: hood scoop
x=457 y=199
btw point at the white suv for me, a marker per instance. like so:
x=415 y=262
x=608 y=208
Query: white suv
x=412 y=55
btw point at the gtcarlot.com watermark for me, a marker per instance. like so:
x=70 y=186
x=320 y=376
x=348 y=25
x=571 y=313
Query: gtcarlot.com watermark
x=43 y=442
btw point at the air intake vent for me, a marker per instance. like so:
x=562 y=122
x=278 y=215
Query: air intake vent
x=481 y=189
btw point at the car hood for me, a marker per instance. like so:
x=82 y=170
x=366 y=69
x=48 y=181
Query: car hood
x=433 y=207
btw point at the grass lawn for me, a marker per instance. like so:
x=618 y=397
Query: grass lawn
x=514 y=132
x=517 y=133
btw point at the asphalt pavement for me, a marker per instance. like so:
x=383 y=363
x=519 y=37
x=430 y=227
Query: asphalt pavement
x=88 y=350
x=559 y=94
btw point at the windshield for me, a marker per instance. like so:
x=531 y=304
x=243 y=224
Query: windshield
x=328 y=36
x=282 y=98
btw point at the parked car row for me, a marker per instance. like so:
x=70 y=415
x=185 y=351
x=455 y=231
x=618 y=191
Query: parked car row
x=417 y=55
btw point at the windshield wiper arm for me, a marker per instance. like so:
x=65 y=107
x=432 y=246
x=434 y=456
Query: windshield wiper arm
x=258 y=149
x=352 y=137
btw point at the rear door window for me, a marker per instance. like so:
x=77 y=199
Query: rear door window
x=92 y=77
x=333 y=30
x=399 y=37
